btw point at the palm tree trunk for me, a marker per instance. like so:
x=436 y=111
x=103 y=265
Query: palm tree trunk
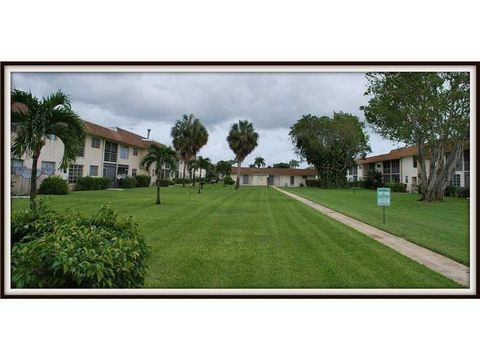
x=193 y=177
x=158 y=191
x=237 y=183
x=200 y=183
x=184 y=168
x=33 y=181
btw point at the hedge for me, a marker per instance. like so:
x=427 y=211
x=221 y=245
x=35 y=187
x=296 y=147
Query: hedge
x=227 y=180
x=78 y=252
x=396 y=186
x=92 y=183
x=182 y=181
x=143 y=180
x=53 y=185
x=128 y=182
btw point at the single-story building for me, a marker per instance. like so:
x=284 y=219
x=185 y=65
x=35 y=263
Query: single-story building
x=274 y=176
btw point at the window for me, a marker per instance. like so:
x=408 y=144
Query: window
x=93 y=170
x=371 y=167
x=135 y=151
x=414 y=161
x=466 y=178
x=123 y=152
x=165 y=174
x=245 y=179
x=386 y=167
x=354 y=170
x=110 y=154
x=95 y=142
x=51 y=137
x=134 y=172
x=455 y=180
x=122 y=170
x=395 y=178
x=74 y=172
x=379 y=165
x=81 y=151
x=395 y=165
x=406 y=179
x=386 y=178
x=48 y=168
x=292 y=180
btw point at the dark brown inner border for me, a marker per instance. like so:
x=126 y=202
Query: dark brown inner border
x=476 y=64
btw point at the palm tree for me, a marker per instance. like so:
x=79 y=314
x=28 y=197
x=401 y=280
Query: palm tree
x=192 y=167
x=224 y=168
x=203 y=163
x=189 y=135
x=35 y=120
x=242 y=139
x=259 y=162
x=158 y=155
x=293 y=164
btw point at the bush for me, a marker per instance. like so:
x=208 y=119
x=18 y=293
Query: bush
x=182 y=181
x=312 y=183
x=464 y=192
x=92 y=183
x=31 y=224
x=396 y=186
x=165 y=182
x=77 y=252
x=227 y=180
x=451 y=190
x=128 y=182
x=53 y=185
x=143 y=180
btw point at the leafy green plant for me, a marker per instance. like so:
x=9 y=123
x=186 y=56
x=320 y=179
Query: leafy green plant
x=128 y=182
x=396 y=186
x=92 y=183
x=464 y=192
x=143 y=180
x=165 y=182
x=182 y=181
x=77 y=252
x=53 y=185
x=227 y=180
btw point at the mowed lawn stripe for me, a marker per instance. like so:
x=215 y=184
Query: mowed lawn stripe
x=441 y=226
x=251 y=238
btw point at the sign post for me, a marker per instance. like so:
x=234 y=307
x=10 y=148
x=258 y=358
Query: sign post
x=383 y=199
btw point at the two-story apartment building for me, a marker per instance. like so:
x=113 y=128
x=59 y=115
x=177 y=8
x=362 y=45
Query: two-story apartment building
x=108 y=152
x=400 y=165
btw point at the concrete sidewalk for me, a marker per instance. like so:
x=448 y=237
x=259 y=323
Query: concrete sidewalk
x=439 y=263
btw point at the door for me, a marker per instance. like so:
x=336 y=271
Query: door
x=292 y=180
x=110 y=171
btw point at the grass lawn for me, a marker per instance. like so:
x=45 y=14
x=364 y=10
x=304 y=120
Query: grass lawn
x=439 y=226
x=251 y=238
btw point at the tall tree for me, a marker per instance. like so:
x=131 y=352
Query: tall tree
x=293 y=164
x=428 y=110
x=157 y=156
x=330 y=144
x=203 y=164
x=189 y=136
x=242 y=139
x=35 y=120
x=259 y=162
x=192 y=168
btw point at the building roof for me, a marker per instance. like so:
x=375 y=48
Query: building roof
x=392 y=155
x=118 y=135
x=397 y=154
x=275 y=171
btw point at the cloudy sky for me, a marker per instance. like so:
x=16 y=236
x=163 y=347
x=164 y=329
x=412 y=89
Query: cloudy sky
x=272 y=101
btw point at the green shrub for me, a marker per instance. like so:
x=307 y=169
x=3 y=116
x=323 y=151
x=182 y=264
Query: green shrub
x=312 y=183
x=182 y=181
x=143 y=180
x=128 y=182
x=31 y=224
x=464 y=192
x=396 y=186
x=165 y=182
x=227 y=180
x=53 y=185
x=77 y=252
x=451 y=190
x=92 y=183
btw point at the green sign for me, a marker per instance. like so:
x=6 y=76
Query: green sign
x=383 y=197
